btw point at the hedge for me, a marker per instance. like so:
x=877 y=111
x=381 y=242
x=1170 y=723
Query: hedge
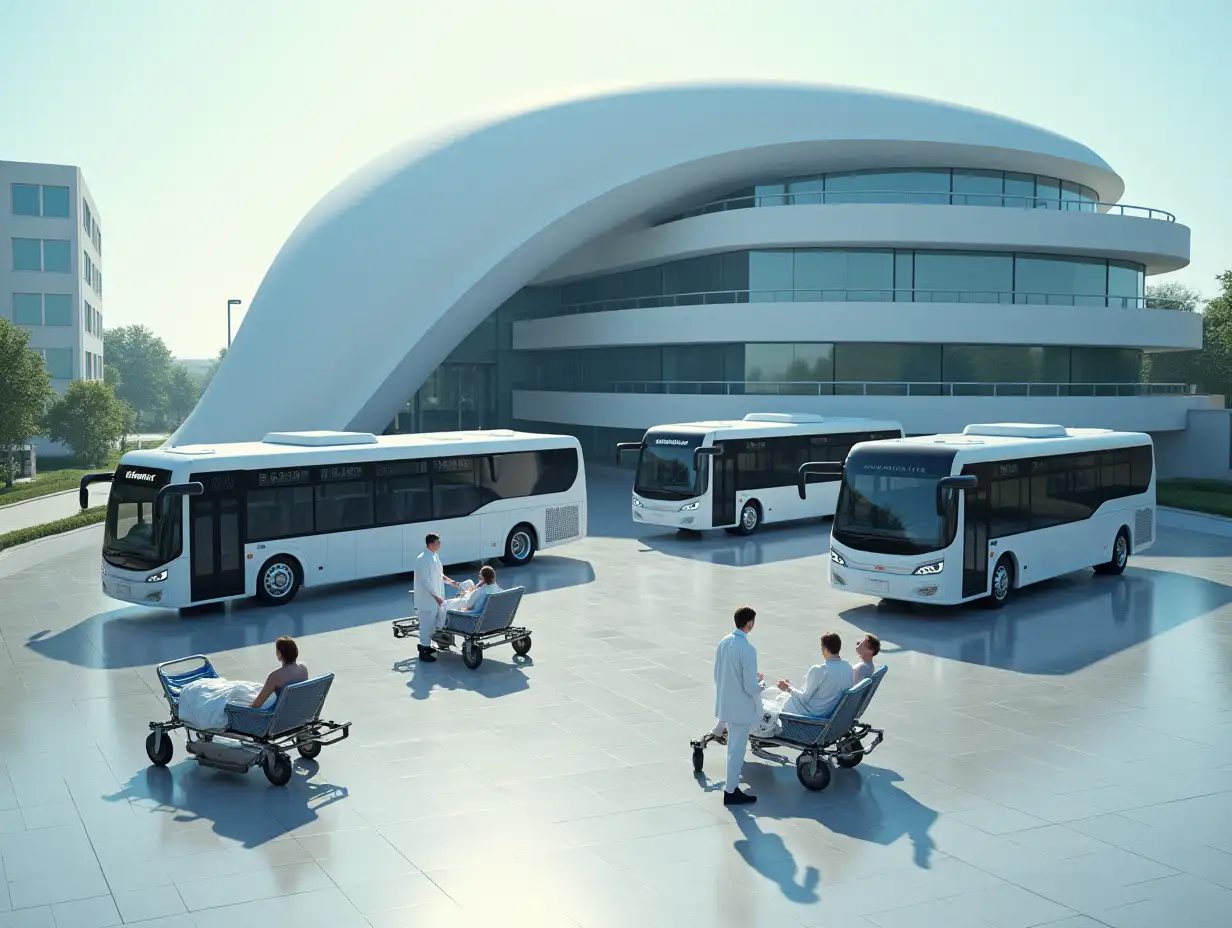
x=34 y=532
x=1211 y=496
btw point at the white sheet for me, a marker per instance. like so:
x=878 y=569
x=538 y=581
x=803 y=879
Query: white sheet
x=203 y=702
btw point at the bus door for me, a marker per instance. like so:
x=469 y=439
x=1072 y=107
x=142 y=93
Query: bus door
x=975 y=542
x=216 y=537
x=723 y=489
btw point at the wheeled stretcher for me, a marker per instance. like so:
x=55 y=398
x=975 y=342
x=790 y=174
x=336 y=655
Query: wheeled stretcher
x=839 y=740
x=479 y=631
x=262 y=736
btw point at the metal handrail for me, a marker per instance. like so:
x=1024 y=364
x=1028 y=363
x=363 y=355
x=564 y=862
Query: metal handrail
x=925 y=198
x=869 y=295
x=882 y=388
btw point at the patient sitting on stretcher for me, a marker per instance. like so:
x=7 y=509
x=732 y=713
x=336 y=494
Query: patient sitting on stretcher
x=824 y=685
x=472 y=598
x=203 y=703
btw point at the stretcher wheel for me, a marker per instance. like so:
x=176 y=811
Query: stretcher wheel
x=308 y=749
x=813 y=772
x=699 y=757
x=472 y=654
x=521 y=645
x=850 y=754
x=160 y=755
x=277 y=768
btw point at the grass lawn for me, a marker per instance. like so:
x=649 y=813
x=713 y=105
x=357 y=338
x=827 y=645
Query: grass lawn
x=1213 y=496
x=54 y=476
x=22 y=535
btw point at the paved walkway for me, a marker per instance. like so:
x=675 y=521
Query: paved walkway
x=48 y=508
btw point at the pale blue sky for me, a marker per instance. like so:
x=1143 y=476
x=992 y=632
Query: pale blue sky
x=207 y=130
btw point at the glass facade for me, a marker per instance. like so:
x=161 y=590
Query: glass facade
x=956 y=186
x=804 y=275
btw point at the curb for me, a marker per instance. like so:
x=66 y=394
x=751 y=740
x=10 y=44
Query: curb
x=1188 y=520
x=36 y=499
x=34 y=541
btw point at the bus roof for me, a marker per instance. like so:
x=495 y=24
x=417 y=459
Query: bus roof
x=998 y=441
x=764 y=425
x=305 y=448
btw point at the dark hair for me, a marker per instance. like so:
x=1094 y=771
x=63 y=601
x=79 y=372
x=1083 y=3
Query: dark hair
x=745 y=615
x=832 y=642
x=287 y=649
x=874 y=643
x=431 y=538
x=487 y=574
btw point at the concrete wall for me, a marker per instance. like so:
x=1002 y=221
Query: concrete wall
x=1203 y=449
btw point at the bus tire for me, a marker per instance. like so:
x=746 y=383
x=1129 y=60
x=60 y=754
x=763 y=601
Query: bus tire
x=519 y=546
x=750 y=518
x=1115 y=565
x=1002 y=583
x=279 y=581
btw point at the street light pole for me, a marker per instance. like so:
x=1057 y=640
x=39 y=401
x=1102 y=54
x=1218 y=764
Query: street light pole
x=230 y=303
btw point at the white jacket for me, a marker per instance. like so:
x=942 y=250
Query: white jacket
x=737 y=697
x=824 y=686
x=429 y=582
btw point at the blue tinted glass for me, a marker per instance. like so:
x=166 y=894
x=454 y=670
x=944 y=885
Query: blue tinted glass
x=56 y=256
x=870 y=275
x=820 y=270
x=807 y=189
x=863 y=362
x=59 y=363
x=1047 y=192
x=812 y=361
x=28 y=308
x=57 y=309
x=1060 y=281
x=55 y=202
x=1005 y=364
x=942 y=276
x=27 y=254
x=25 y=199
x=978 y=188
x=1020 y=190
x=769 y=273
x=1125 y=284
x=767 y=362
x=1107 y=365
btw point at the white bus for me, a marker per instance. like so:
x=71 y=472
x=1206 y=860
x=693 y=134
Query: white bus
x=192 y=524
x=950 y=518
x=740 y=474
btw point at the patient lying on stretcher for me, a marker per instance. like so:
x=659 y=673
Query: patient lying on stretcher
x=203 y=703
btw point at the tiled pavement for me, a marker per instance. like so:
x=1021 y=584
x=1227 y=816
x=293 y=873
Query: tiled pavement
x=1065 y=762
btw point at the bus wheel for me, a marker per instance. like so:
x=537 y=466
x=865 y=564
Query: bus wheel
x=1120 y=556
x=278 y=581
x=519 y=546
x=1002 y=583
x=750 y=518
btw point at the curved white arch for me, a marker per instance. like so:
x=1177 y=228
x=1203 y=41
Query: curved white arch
x=394 y=268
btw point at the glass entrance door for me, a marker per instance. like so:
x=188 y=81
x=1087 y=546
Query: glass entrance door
x=975 y=542
x=216 y=543
x=723 y=490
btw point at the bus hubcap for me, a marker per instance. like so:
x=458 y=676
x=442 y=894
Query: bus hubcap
x=749 y=519
x=278 y=580
x=1121 y=550
x=520 y=546
x=1001 y=583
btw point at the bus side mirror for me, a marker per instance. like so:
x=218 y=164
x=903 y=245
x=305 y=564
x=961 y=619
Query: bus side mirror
x=83 y=494
x=829 y=468
x=963 y=482
x=622 y=447
x=176 y=489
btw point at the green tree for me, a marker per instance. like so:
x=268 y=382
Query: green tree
x=1210 y=368
x=183 y=391
x=141 y=362
x=24 y=391
x=89 y=419
x=209 y=374
x=1172 y=294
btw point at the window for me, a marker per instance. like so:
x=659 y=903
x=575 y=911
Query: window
x=86 y=215
x=888 y=363
x=455 y=487
x=343 y=505
x=98 y=281
x=87 y=268
x=27 y=254
x=403 y=492
x=57 y=309
x=57 y=256
x=1057 y=281
x=527 y=473
x=978 y=188
x=1009 y=507
x=55 y=202
x=59 y=363
x=279 y=512
x=27 y=309
x=26 y=200
x=954 y=277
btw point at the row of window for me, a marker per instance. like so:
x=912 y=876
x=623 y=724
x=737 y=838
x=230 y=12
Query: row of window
x=1042 y=492
x=58 y=362
x=863 y=274
x=90 y=226
x=94 y=366
x=35 y=254
x=775 y=462
x=91 y=273
x=306 y=501
x=55 y=309
x=92 y=319
x=40 y=200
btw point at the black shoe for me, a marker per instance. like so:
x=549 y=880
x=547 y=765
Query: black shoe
x=426 y=655
x=738 y=798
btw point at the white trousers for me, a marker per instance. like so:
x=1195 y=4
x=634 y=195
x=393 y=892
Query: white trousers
x=737 y=741
x=429 y=619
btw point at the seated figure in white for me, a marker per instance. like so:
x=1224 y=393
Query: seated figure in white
x=824 y=685
x=471 y=598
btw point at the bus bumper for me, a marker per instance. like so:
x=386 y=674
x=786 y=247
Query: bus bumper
x=131 y=586
x=905 y=587
x=669 y=517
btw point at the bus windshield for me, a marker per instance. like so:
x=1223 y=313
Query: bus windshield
x=888 y=504
x=665 y=470
x=135 y=538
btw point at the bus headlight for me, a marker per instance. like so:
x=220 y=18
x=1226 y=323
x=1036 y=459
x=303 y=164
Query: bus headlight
x=157 y=578
x=689 y=507
x=925 y=570
x=637 y=503
x=837 y=558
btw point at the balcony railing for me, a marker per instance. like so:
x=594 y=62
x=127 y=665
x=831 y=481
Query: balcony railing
x=817 y=197
x=862 y=295
x=875 y=388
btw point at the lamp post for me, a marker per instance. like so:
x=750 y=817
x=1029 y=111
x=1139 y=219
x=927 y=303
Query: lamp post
x=230 y=303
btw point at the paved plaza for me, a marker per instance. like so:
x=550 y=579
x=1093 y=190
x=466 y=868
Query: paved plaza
x=1064 y=762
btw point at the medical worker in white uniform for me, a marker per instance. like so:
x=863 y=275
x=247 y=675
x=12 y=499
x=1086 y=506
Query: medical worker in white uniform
x=737 y=701
x=430 y=583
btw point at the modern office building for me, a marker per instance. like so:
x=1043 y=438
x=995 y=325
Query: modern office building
x=682 y=253
x=51 y=280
